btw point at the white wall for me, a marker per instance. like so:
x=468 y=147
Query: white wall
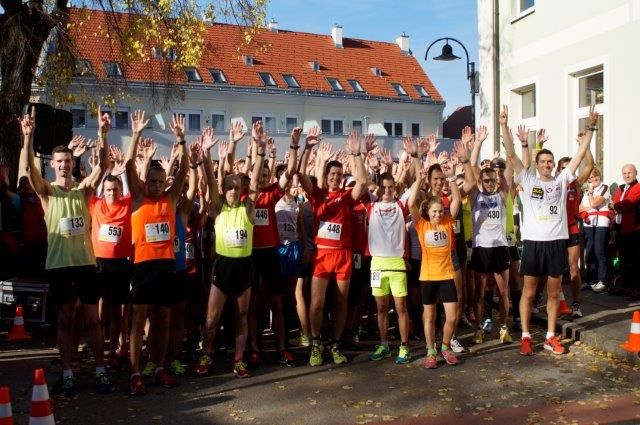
x=547 y=48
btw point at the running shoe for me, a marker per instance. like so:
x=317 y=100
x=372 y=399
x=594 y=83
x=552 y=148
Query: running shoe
x=163 y=378
x=478 y=337
x=431 y=361
x=576 y=311
x=240 y=369
x=315 y=359
x=287 y=359
x=103 y=384
x=304 y=340
x=68 y=388
x=586 y=285
x=202 y=367
x=379 y=353
x=526 y=348
x=338 y=356
x=404 y=356
x=487 y=326
x=505 y=338
x=177 y=368
x=450 y=357
x=552 y=344
x=599 y=287
x=149 y=369
x=254 y=361
x=137 y=386
x=455 y=345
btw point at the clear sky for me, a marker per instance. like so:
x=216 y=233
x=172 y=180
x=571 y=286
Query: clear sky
x=383 y=20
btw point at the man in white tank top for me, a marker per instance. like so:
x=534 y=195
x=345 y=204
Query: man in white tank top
x=386 y=237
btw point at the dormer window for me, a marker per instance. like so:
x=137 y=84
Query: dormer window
x=156 y=52
x=248 y=60
x=172 y=54
x=82 y=68
x=218 y=76
x=355 y=85
x=399 y=89
x=335 y=84
x=113 y=69
x=377 y=72
x=291 y=81
x=421 y=91
x=315 y=65
x=267 y=79
x=192 y=75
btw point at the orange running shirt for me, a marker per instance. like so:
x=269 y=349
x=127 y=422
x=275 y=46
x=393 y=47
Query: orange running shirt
x=436 y=244
x=153 y=226
x=111 y=227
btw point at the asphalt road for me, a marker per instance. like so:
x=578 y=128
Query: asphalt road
x=493 y=383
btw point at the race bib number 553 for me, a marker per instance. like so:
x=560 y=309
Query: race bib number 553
x=109 y=233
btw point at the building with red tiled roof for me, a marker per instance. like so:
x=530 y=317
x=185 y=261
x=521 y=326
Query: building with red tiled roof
x=299 y=79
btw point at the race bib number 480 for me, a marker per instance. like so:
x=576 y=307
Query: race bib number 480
x=157 y=232
x=72 y=226
x=329 y=230
x=109 y=233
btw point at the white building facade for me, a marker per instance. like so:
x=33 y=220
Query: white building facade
x=555 y=59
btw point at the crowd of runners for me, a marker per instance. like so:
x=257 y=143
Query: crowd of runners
x=167 y=253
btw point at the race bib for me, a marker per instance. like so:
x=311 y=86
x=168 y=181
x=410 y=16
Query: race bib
x=262 y=217
x=493 y=217
x=357 y=261
x=436 y=238
x=236 y=238
x=548 y=212
x=511 y=240
x=329 y=230
x=108 y=233
x=289 y=230
x=176 y=244
x=72 y=226
x=376 y=280
x=157 y=232
x=190 y=251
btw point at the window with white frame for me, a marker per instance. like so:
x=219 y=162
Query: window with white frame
x=218 y=76
x=399 y=89
x=589 y=90
x=522 y=7
x=332 y=126
x=394 y=128
x=267 y=79
x=356 y=126
x=218 y=121
x=335 y=84
x=192 y=75
x=113 y=69
x=527 y=102
x=268 y=122
x=291 y=81
x=356 y=86
x=290 y=122
x=191 y=119
x=79 y=115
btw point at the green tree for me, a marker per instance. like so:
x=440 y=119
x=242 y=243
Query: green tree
x=38 y=46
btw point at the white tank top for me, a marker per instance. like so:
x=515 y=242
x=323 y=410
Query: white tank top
x=287 y=220
x=386 y=229
x=598 y=217
x=489 y=220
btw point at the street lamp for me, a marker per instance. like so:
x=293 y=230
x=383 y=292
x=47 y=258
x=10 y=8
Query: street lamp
x=447 y=55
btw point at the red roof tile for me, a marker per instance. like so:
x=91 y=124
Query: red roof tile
x=288 y=52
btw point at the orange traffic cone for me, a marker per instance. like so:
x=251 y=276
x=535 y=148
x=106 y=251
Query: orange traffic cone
x=6 y=417
x=41 y=412
x=18 y=332
x=563 y=307
x=633 y=341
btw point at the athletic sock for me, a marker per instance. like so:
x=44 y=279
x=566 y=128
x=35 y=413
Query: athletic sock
x=550 y=335
x=385 y=344
x=444 y=347
x=432 y=351
x=526 y=335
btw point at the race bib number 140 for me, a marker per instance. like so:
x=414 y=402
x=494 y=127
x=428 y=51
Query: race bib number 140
x=157 y=232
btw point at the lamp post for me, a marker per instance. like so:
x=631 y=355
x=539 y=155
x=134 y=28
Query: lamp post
x=447 y=55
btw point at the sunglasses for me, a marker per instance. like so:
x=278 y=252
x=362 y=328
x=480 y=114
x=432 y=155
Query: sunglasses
x=488 y=180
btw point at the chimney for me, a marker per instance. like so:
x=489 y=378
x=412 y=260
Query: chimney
x=336 y=35
x=273 y=25
x=403 y=43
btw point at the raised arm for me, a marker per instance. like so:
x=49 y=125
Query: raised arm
x=138 y=123
x=412 y=202
x=207 y=143
x=91 y=182
x=480 y=137
x=357 y=162
x=456 y=197
x=236 y=134
x=177 y=127
x=312 y=139
x=27 y=164
x=259 y=139
x=461 y=152
x=508 y=141
x=292 y=161
x=584 y=141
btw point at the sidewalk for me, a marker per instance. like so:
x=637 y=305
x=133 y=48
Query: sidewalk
x=605 y=323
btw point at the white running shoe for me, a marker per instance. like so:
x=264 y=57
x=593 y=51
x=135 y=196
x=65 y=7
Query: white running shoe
x=455 y=346
x=599 y=287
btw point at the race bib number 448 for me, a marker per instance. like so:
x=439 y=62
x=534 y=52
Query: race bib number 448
x=329 y=230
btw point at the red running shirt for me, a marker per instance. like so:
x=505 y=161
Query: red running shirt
x=332 y=217
x=573 y=203
x=265 y=230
